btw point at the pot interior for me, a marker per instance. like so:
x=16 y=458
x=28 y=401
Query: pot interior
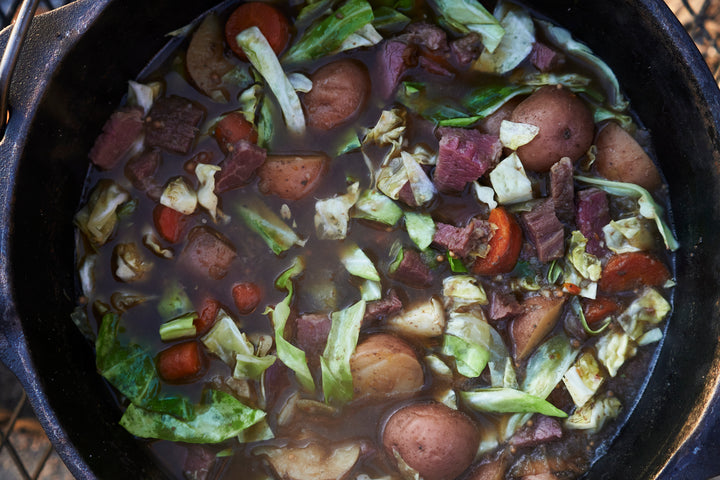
x=662 y=75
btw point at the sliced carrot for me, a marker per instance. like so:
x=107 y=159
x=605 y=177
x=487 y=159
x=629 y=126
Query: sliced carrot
x=170 y=224
x=628 y=271
x=598 y=309
x=208 y=314
x=247 y=296
x=232 y=128
x=505 y=245
x=181 y=362
x=271 y=22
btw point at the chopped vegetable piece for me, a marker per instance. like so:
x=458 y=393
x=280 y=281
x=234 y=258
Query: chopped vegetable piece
x=179 y=196
x=504 y=246
x=227 y=341
x=373 y=205
x=509 y=400
x=421 y=228
x=335 y=360
x=97 y=219
x=628 y=271
x=583 y=379
x=234 y=127
x=592 y=416
x=333 y=214
x=510 y=182
x=268 y=19
x=262 y=57
x=470 y=16
x=169 y=223
x=644 y=313
x=174 y=301
x=260 y=219
x=205 y=59
x=181 y=327
x=181 y=362
x=515 y=45
x=470 y=358
x=630 y=234
x=614 y=349
x=357 y=263
x=247 y=296
x=292 y=177
x=426 y=319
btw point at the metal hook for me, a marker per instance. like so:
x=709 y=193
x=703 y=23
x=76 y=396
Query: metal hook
x=11 y=54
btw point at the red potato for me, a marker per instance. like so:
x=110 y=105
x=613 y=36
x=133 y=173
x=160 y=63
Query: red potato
x=505 y=245
x=433 y=439
x=620 y=158
x=208 y=253
x=540 y=314
x=628 y=271
x=205 y=59
x=247 y=296
x=271 y=22
x=292 y=177
x=169 y=223
x=385 y=365
x=232 y=128
x=183 y=362
x=566 y=127
x=339 y=93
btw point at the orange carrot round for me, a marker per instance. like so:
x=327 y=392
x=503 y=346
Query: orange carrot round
x=247 y=296
x=169 y=223
x=232 y=128
x=271 y=22
x=505 y=245
x=180 y=363
x=628 y=271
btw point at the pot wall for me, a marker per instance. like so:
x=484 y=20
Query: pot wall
x=666 y=81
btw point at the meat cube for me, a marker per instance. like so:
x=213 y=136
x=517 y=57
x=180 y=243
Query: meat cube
x=383 y=308
x=208 y=253
x=463 y=241
x=545 y=231
x=543 y=429
x=428 y=36
x=467 y=49
x=562 y=189
x=395 y=57
x=431 y=65
x=503 y=305
x=592 y=214
x=545 y=58
x=311 y=332
x=172 y=124
x=239 y=165
x=412 y=271
x=463 y=156
x=141 y=170
x=121 y=131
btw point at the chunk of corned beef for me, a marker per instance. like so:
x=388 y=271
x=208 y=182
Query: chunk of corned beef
x=545 y=58
x=467 y=49
x=277 y=380
x=591 y=215
x=141 y=170
x=377 y=310
x=199 y=461
x=311 y=332
x=463 y=241
x=434 y=67
x=172 y=124
x=545 y=230
x=121 y=131
x=503 y=305
x=426 y=35
x=562 y=189
x=412 y=271
x=394 y=58
x=208 y=253
x=463 y=156
x=239 y=165
x=542 y=430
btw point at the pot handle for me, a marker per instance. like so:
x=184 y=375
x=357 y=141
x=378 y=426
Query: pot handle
x=11 y=54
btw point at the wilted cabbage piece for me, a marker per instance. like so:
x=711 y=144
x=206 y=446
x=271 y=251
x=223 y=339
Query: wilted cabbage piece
x=462 y=291
x=389 y=129
x=509 y=400
x=632 y=234
x=510 y=182
x=262 y=220
x=181 y=327
x=425 y=319
x=130 y=266
x=179 y=196
x=333 y=214
x=335 y=361
x=593 y=415
x=644 y=313
x=357 y=263
x=315 y=461
x=206 y=193
x=251 y=367
x=420 y=228
x=470 y=358
x=373 y=205
x=174 y=301
x=516 y=44
x=485 y=194
x=466 y=16
x=586 y=264
x=515 y=135
x=365 y=36
x=583 y=379
x=97 y=219
x=226 y=340
x=143 y=95
x=614 y=349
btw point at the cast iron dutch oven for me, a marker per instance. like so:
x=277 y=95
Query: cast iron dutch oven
x=72 y=73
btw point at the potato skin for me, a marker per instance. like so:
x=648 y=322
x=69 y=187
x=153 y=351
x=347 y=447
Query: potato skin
x=619 y=157
x=566 y=127
x=437 y=441
x=385 y=365
x=292 y=177
x=339 y=93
